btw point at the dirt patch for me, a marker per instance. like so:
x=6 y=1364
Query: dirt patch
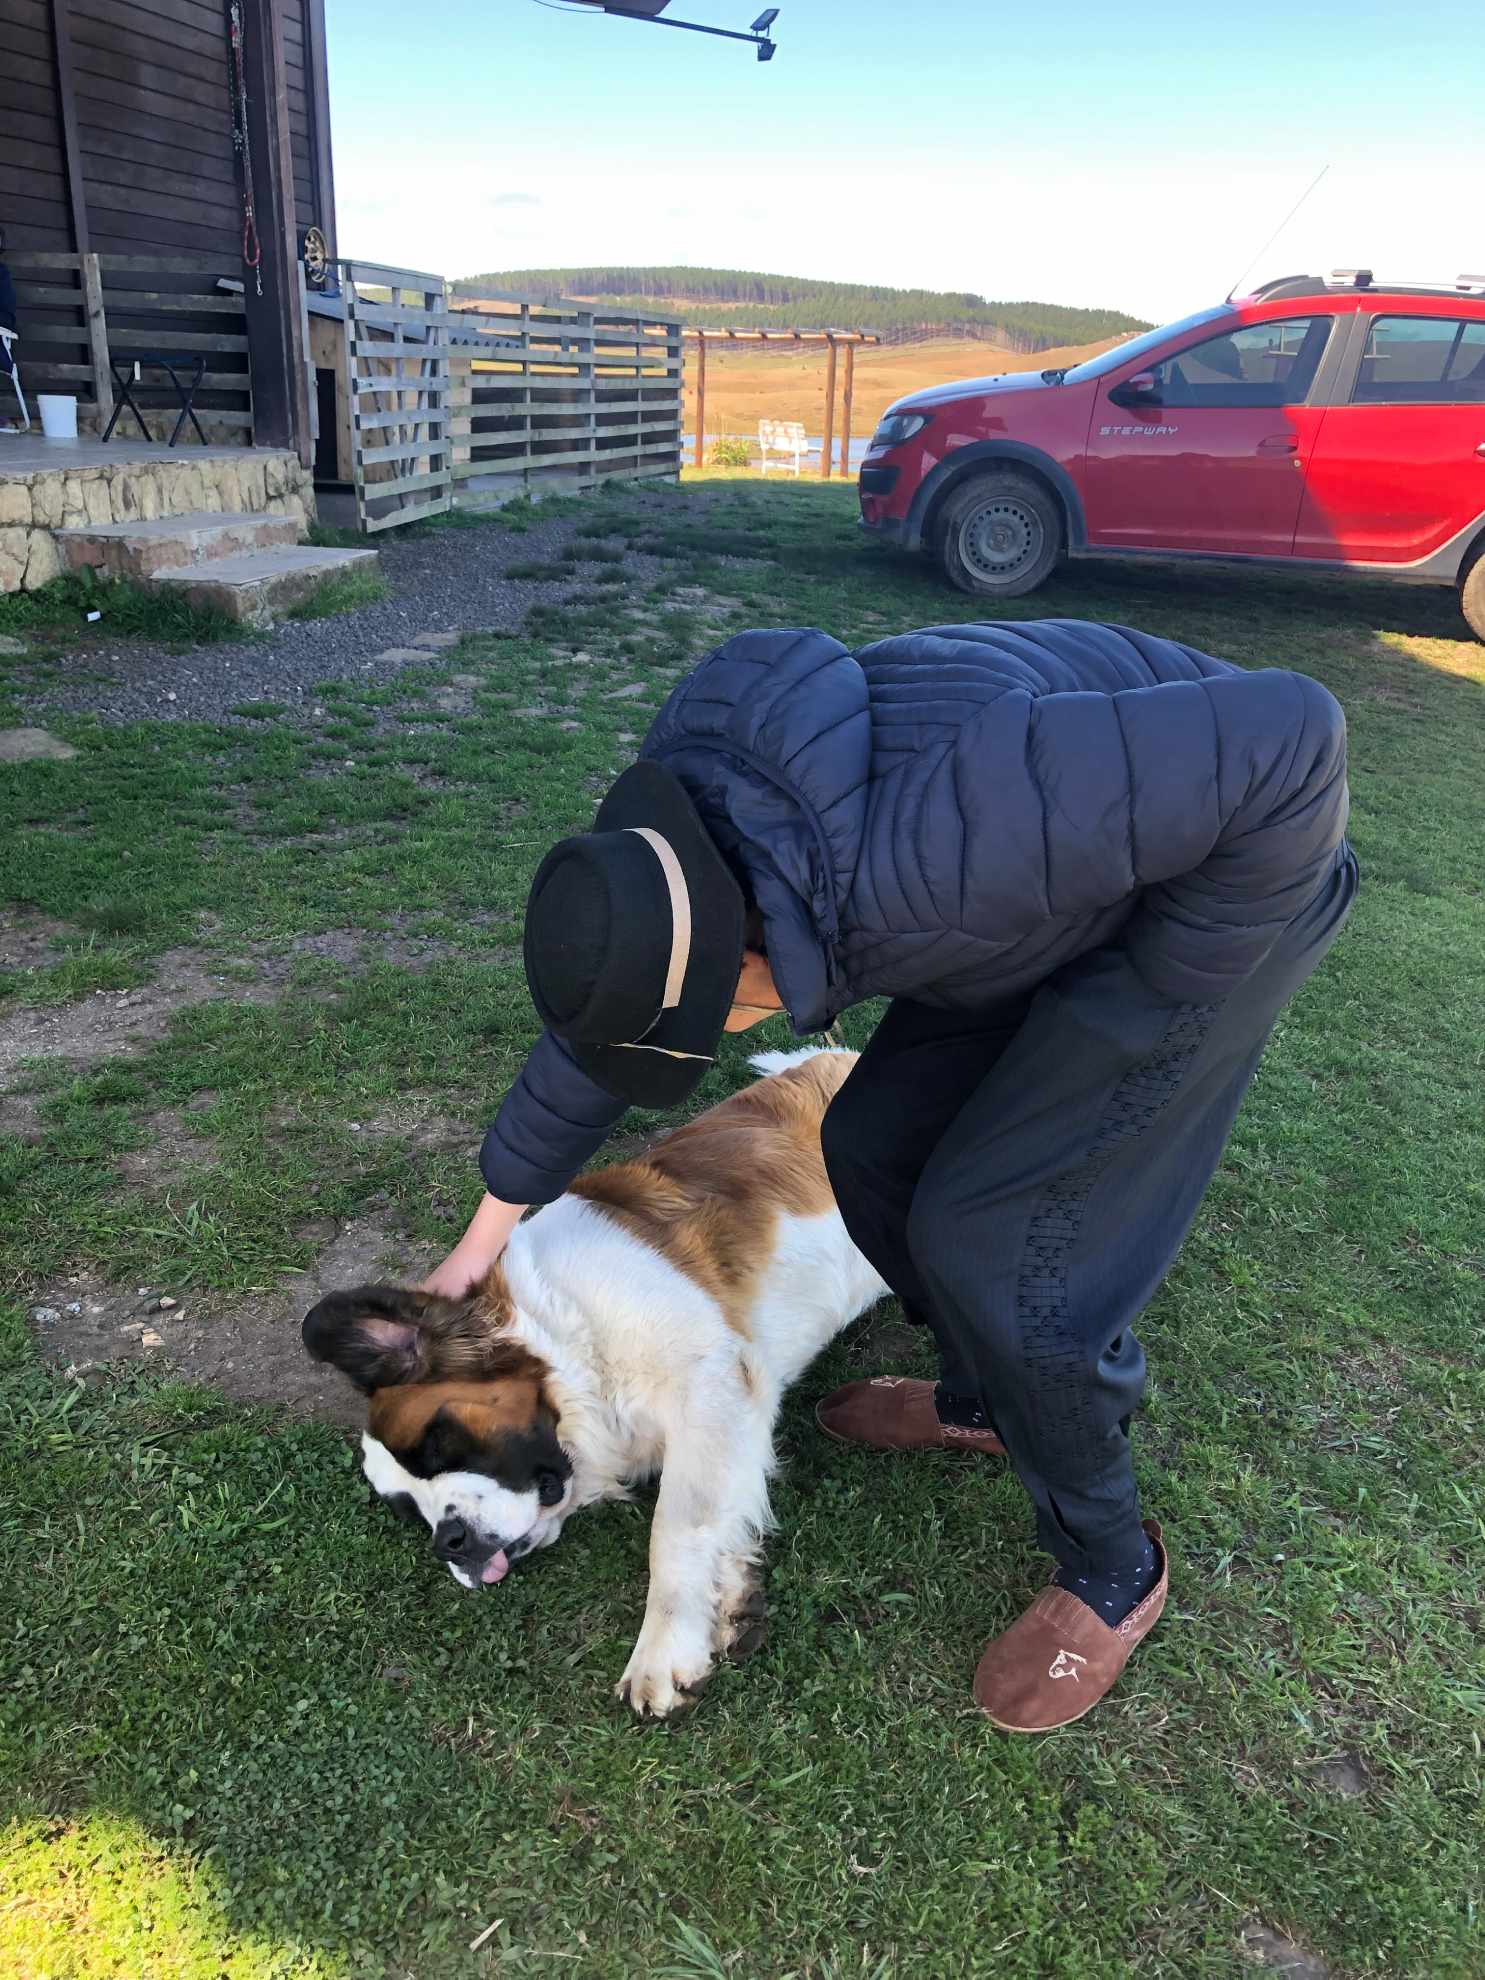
x=1343 y=1775
x=174 y=1147
x=121 y=1023
x=697 y=596
x=421 y=1128
x=357 y=948
x=249 y=1348
x=20 y=1116
x=30 y=941
x=1270 y=1949
x=457 y=696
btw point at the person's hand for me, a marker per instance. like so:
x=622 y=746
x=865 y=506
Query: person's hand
x=471 y=1258
x=455 y=1278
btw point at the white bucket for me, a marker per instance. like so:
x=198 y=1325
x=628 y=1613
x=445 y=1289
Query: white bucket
x=58 y=415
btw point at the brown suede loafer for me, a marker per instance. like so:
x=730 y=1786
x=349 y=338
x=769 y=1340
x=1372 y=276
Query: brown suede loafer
x=1058 y=1661
x=896 y=1413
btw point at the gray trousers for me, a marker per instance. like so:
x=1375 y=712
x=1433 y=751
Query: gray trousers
x=1023 y=1177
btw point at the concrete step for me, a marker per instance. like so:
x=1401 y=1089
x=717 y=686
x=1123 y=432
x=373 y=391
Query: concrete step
x=256 y=586
x=144 y=549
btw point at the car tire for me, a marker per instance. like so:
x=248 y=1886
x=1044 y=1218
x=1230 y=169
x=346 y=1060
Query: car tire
x=1000 y=534
x=1472 y=594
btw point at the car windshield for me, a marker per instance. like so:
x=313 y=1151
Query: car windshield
x=1095 y=367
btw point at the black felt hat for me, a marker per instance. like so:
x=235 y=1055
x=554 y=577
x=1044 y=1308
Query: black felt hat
x=634 y=941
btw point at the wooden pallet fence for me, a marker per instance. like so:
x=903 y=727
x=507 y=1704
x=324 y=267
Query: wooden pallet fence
x=77 y=311
x=555 y=395
x=397 y=374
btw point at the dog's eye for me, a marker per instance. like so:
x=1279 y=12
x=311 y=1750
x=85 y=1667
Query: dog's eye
x=549 y=1487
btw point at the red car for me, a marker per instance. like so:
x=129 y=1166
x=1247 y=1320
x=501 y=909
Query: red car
x=1331 y=424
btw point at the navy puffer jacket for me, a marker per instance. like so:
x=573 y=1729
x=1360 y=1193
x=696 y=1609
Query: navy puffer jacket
x=951 y=815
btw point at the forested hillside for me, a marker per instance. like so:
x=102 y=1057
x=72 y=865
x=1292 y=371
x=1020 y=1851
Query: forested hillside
x=751 y=300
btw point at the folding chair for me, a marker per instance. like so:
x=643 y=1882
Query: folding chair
x=153 y=361
x=13 y=372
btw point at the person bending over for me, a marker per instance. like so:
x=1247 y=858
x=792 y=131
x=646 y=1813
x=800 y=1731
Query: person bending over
x=1089 y=868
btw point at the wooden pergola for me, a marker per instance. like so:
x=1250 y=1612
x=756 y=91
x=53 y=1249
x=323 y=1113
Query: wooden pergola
x=833 y=340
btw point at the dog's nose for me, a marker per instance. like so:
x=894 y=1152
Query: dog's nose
x=451 y=1539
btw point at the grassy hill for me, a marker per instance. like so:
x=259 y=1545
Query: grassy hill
x=750 y=300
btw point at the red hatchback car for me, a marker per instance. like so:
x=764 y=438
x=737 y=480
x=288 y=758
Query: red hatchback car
x=1332 y=424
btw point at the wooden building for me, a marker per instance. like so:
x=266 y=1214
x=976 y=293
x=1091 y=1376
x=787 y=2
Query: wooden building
x=174 y=149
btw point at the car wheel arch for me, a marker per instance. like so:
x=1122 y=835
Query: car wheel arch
x=952 y=471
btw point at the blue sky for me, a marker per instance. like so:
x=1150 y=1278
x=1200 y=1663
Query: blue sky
x=1135 y=156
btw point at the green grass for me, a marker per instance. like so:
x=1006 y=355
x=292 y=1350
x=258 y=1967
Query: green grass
x=331 y=536
x=129 y=611
x=247 y=1728
x=346 y=593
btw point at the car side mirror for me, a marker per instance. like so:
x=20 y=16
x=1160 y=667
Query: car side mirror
x=1142 y=388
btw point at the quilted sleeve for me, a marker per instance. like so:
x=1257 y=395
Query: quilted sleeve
x=553 y=1120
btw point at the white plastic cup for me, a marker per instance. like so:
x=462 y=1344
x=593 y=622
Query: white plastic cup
x=58 y=415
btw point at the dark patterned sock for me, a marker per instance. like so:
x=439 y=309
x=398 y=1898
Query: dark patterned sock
x=1112 y=1596
x=962 y=1412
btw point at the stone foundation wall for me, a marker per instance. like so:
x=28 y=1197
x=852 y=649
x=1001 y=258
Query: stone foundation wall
x=33 y=505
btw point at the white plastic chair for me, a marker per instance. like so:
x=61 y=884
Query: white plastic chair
x=13 y=372
x=780 y=436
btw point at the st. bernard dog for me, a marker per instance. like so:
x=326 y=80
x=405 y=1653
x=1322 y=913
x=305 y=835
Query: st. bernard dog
x=647 y=1321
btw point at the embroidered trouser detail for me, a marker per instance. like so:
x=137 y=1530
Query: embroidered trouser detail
x=1053 y=1344
x=1023 y=1178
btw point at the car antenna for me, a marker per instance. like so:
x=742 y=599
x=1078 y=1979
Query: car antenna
x=1277 y=231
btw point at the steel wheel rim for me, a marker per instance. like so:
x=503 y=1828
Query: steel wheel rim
x=1001 y=539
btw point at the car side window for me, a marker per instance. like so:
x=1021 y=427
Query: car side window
x=1420 y=361
x=1263 y=364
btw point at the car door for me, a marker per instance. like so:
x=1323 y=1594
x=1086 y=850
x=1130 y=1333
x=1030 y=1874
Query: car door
x=1206 y=449
x=1399 y=468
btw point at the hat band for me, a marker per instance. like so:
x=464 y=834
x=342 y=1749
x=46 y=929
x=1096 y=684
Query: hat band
x=703 y=1058
x=680 y=914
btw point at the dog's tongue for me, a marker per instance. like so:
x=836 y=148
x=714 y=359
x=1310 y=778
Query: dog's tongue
x=496 y=1568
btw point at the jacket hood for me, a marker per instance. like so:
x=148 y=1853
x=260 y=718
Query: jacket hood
x=771 y=736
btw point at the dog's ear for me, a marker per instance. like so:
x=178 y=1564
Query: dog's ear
x=373 y=1334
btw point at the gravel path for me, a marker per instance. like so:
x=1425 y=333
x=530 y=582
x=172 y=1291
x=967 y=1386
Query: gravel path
x=449 y=581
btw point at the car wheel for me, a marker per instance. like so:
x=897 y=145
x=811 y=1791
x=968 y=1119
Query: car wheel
x=1472 y=594
x=1000 y=535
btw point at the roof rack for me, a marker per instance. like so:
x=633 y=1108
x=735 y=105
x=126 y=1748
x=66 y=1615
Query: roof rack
x=1363 y=279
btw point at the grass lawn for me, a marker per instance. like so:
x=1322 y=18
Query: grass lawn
x=249 y=1730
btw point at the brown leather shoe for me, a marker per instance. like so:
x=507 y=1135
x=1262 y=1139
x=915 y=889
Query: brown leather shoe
x=896 y=1413
x=1058 y=1661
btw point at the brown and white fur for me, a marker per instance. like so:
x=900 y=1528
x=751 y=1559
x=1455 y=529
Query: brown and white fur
x=648 y=1321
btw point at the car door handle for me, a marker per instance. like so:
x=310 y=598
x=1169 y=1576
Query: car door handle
x=1480 y=450
x=1279 y=443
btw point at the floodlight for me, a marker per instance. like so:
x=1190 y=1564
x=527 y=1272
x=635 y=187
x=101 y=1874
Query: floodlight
x=653 y=11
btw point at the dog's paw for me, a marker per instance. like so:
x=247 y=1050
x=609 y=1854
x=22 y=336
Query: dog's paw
x=660 y=1685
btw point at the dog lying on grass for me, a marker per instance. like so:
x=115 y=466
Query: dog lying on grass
x=649 y=1321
